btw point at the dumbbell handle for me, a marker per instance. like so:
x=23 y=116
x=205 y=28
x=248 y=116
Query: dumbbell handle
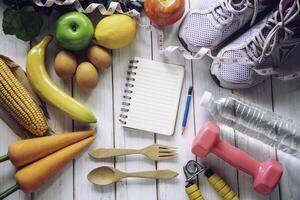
x=266 y=175
x=236 y=157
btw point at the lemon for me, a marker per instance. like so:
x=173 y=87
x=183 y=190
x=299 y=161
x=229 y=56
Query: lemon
x=115 y=31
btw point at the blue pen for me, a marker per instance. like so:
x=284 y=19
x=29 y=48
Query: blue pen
x=187 y=108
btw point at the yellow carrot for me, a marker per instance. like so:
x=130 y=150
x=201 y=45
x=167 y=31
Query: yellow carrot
x=31 y=177
x=24 y=152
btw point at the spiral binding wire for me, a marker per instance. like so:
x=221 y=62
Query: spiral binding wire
x=128 y=90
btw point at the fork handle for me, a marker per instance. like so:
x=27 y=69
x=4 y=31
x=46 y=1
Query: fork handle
x=107 y=153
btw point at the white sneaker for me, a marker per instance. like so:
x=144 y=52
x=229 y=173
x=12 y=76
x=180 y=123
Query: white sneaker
x=211 y=26
x=267 y=44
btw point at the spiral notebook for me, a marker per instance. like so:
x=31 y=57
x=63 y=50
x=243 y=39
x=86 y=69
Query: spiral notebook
x=152 y=96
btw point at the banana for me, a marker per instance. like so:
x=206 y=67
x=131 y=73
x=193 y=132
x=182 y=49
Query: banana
x=48 y=90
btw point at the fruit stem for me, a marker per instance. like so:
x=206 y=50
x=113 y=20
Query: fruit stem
x=9 y=191
x=4 y=158
x=45 y=41
x=167 y=2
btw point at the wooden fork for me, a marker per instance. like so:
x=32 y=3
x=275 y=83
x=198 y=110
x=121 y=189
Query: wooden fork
x=154 y=152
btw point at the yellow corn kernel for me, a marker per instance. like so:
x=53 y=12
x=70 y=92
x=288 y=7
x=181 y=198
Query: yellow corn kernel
x=15 y=99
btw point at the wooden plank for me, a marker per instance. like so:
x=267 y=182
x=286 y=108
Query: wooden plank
x=7 y=169
x=260 y=95
x=203 y=82
x=183 y=142
x=286 y=96
x=60 y=186
x=129 y=189
x=106 y=100
x=100 y=101
x=15 y=49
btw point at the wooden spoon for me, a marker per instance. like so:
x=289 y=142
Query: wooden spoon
x=106 y=175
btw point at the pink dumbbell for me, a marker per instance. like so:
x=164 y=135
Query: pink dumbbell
x=265 y=175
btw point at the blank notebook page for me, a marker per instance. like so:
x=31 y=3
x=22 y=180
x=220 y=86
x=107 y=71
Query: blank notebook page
x=155 y=89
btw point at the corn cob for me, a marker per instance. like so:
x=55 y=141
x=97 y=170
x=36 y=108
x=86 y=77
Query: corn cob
x=15 y=99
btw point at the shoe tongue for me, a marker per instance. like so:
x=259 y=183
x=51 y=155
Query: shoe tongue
x=238 y=4
x=269 y=3
x=296 y=22
x=295 y=26
x=296 y=31
x=286 y=3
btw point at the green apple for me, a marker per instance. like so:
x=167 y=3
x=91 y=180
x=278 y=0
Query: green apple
x=74 y=31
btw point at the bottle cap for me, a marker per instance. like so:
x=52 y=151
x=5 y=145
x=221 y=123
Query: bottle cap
x=206 y=98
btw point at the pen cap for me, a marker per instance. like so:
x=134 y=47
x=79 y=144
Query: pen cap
x=206 y=98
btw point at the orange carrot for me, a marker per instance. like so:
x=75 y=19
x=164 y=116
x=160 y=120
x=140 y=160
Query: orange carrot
x=27 y=151
x=31 y=177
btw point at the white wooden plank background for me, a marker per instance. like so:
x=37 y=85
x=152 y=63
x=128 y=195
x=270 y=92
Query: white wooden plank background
x=105 y=101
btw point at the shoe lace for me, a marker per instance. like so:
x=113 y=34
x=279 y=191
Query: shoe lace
x=225 y=10
x=261 y=45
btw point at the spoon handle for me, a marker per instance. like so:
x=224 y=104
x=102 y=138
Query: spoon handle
x=158 y=174
x=107 y=153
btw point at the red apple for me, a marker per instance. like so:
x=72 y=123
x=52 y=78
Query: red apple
x=164 y=12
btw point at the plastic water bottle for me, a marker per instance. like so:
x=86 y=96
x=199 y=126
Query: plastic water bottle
x=254 y=121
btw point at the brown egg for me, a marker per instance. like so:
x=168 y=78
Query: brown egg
x=99 y=56
x=65 y=64
x=86 y=76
